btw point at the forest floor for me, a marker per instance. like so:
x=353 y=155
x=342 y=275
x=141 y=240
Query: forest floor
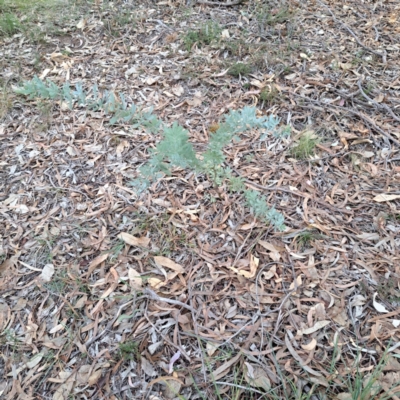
x=179 y=291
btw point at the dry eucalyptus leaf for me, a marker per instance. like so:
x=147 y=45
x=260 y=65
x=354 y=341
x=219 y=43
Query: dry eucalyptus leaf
x=147 y=368
x=254 y=261
x=155 y=283
x=94 y=377
x=275 y=255
x=318 y=325
x=172 y=389
x=386 y=197
x=309 y=346
x=168 y=263
x=47 y=272
x=270 y=273
x=134 y=241
x=378 y=307
x=255 y=376
x=135 y=280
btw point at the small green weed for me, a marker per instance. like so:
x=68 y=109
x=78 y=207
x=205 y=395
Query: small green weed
x=36 y=18
x=5 y=100
x=205 y=36
x=269 y=95
x=305 y=147
x=304 y=239
x=9 y=340
x=356 y=160
x=267 y=16
x=239 y=69
x=237 y=48
x=167 y=237
x=284 y=132
x=116 y=250
x=175 y=149
x=129 y=351
x=58 y=284
x=120 y=20
x=388 y=290
x=9 y=24
x=394 y=217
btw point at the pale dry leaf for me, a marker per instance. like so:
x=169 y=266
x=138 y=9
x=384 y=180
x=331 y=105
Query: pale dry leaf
x=309 y=346
x=96 y=262
x=358 y=300
x=83 y=374
x=254 y=262
x=47 y=272
x=255 y=376
x=378 y=307
x=386 y=197
x=147 y=368
x=5 y=314
x=211 y=348
x=225 y=34
x=368 y=154
x=178 y=90
x=161 y=202
x=391 y=364
x=21 y=209
x=94 y=377
x=81 y=24
x=133 y=240
x=275 y=255
x=297 y=283
x=64 y=390
x=155 y=283
x=71 y=151
x=373 y=236
x=153 y=347
x=135 y=280
x=270 y=273
x=151 y=81
x=81 y=302
x=174 y=358
x=168 y=263
x=225 y=368
x=318 y=325
x=172 y=389
x=35 y=360
x=299 y=359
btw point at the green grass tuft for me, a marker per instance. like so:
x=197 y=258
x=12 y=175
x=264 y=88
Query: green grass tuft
x=129 y=351
x=208 y=34
x=305 y=147
x=239 y=69
x=9 y=24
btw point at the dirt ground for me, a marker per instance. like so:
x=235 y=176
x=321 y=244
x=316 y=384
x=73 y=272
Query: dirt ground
x=180 y=292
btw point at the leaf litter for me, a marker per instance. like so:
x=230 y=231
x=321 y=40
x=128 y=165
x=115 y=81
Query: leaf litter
x=181 y=291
